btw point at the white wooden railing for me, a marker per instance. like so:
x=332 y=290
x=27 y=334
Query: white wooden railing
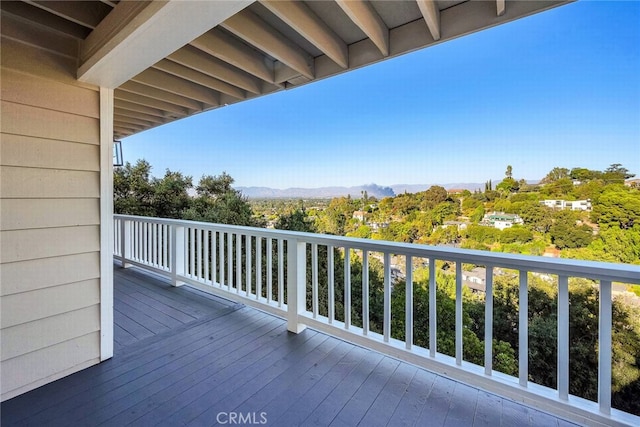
x=232 y=261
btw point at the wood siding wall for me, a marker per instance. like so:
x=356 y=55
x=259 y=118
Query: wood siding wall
x=49 y=210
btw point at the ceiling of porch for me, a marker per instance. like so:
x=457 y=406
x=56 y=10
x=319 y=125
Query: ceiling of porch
x=256 y=49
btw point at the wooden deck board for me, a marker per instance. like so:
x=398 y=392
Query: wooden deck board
x=182 y=357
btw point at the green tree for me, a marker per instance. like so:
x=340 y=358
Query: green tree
x=566 y=234
x=171 y=198
x=132 y=189
x=617 y=206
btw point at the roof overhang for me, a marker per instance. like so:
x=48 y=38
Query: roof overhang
x=171 y=59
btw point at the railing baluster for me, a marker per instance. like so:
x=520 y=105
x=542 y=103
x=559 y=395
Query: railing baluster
x=459 y=325
x=199 y=253
x=230 y=261
x=238 y=239
x=331 y=285
x=192 y=251
x=604 y=348
x=153 y=239
x=386 y=323
x=206 y=242
x=145 y=244
x=214 y=258
x=523 y=330
x=314 y=279
x=165 y=246
x=269 y=269
x=221 y=260
x=488 y=322
x=409 y=303
x=280 y=272
x=258 y=267
x=433 y=341
x=365 y=292
x=347 y=288
x=248 y=267
x=563 y=337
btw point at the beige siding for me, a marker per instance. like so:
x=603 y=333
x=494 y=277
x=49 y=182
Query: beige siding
x=48 y=364
x=28 y=183
x=33 y=336
x=19 y=150
x=49 y=212
x=25 y=276
x=21 y=214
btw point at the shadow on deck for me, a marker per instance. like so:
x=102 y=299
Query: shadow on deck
x=183 y=357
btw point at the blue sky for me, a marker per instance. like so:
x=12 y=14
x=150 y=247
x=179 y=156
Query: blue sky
x=560 y=88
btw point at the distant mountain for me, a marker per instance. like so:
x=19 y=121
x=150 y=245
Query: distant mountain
x=416 y=188
x=372 y=190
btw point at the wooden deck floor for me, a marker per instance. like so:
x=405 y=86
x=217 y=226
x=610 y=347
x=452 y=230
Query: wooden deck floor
x=186 y=358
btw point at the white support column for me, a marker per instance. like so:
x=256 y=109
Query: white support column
x=106 y=223
x=177 y=254
x=604 y=348
x=125 y=242
x=523 y=330
x=296 y=284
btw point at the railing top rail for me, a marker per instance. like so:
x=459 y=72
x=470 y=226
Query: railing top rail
x=625 y=273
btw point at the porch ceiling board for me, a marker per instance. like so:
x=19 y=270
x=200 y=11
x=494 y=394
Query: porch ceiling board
x=171 y=59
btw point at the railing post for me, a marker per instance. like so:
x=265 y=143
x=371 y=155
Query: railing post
x=125 y=242
x=296 y=284
x=177 y=254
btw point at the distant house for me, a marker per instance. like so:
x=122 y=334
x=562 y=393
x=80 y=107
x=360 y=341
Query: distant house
x=501 y=220
x=454 y=191
x=359 y=215
x=633 y=183
x=575 y=205
x=475 y=279
x=458 y=224
x=375 y=226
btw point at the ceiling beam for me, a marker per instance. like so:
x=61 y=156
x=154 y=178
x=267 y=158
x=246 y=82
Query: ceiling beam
x=174 y=110
x=131 y=120
x=431 y=14
x=500 y=7
x=161 y=95
x=128 y=126
x=82 y=13
x=199 y=78
x=132 y=107
x=196 y=59
x=161 y=80
x=45 y=18
x=367 y=19
x=302 y=19
x=249 y=27
x=226 y=48
x=137 y=115
x=119 y=47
